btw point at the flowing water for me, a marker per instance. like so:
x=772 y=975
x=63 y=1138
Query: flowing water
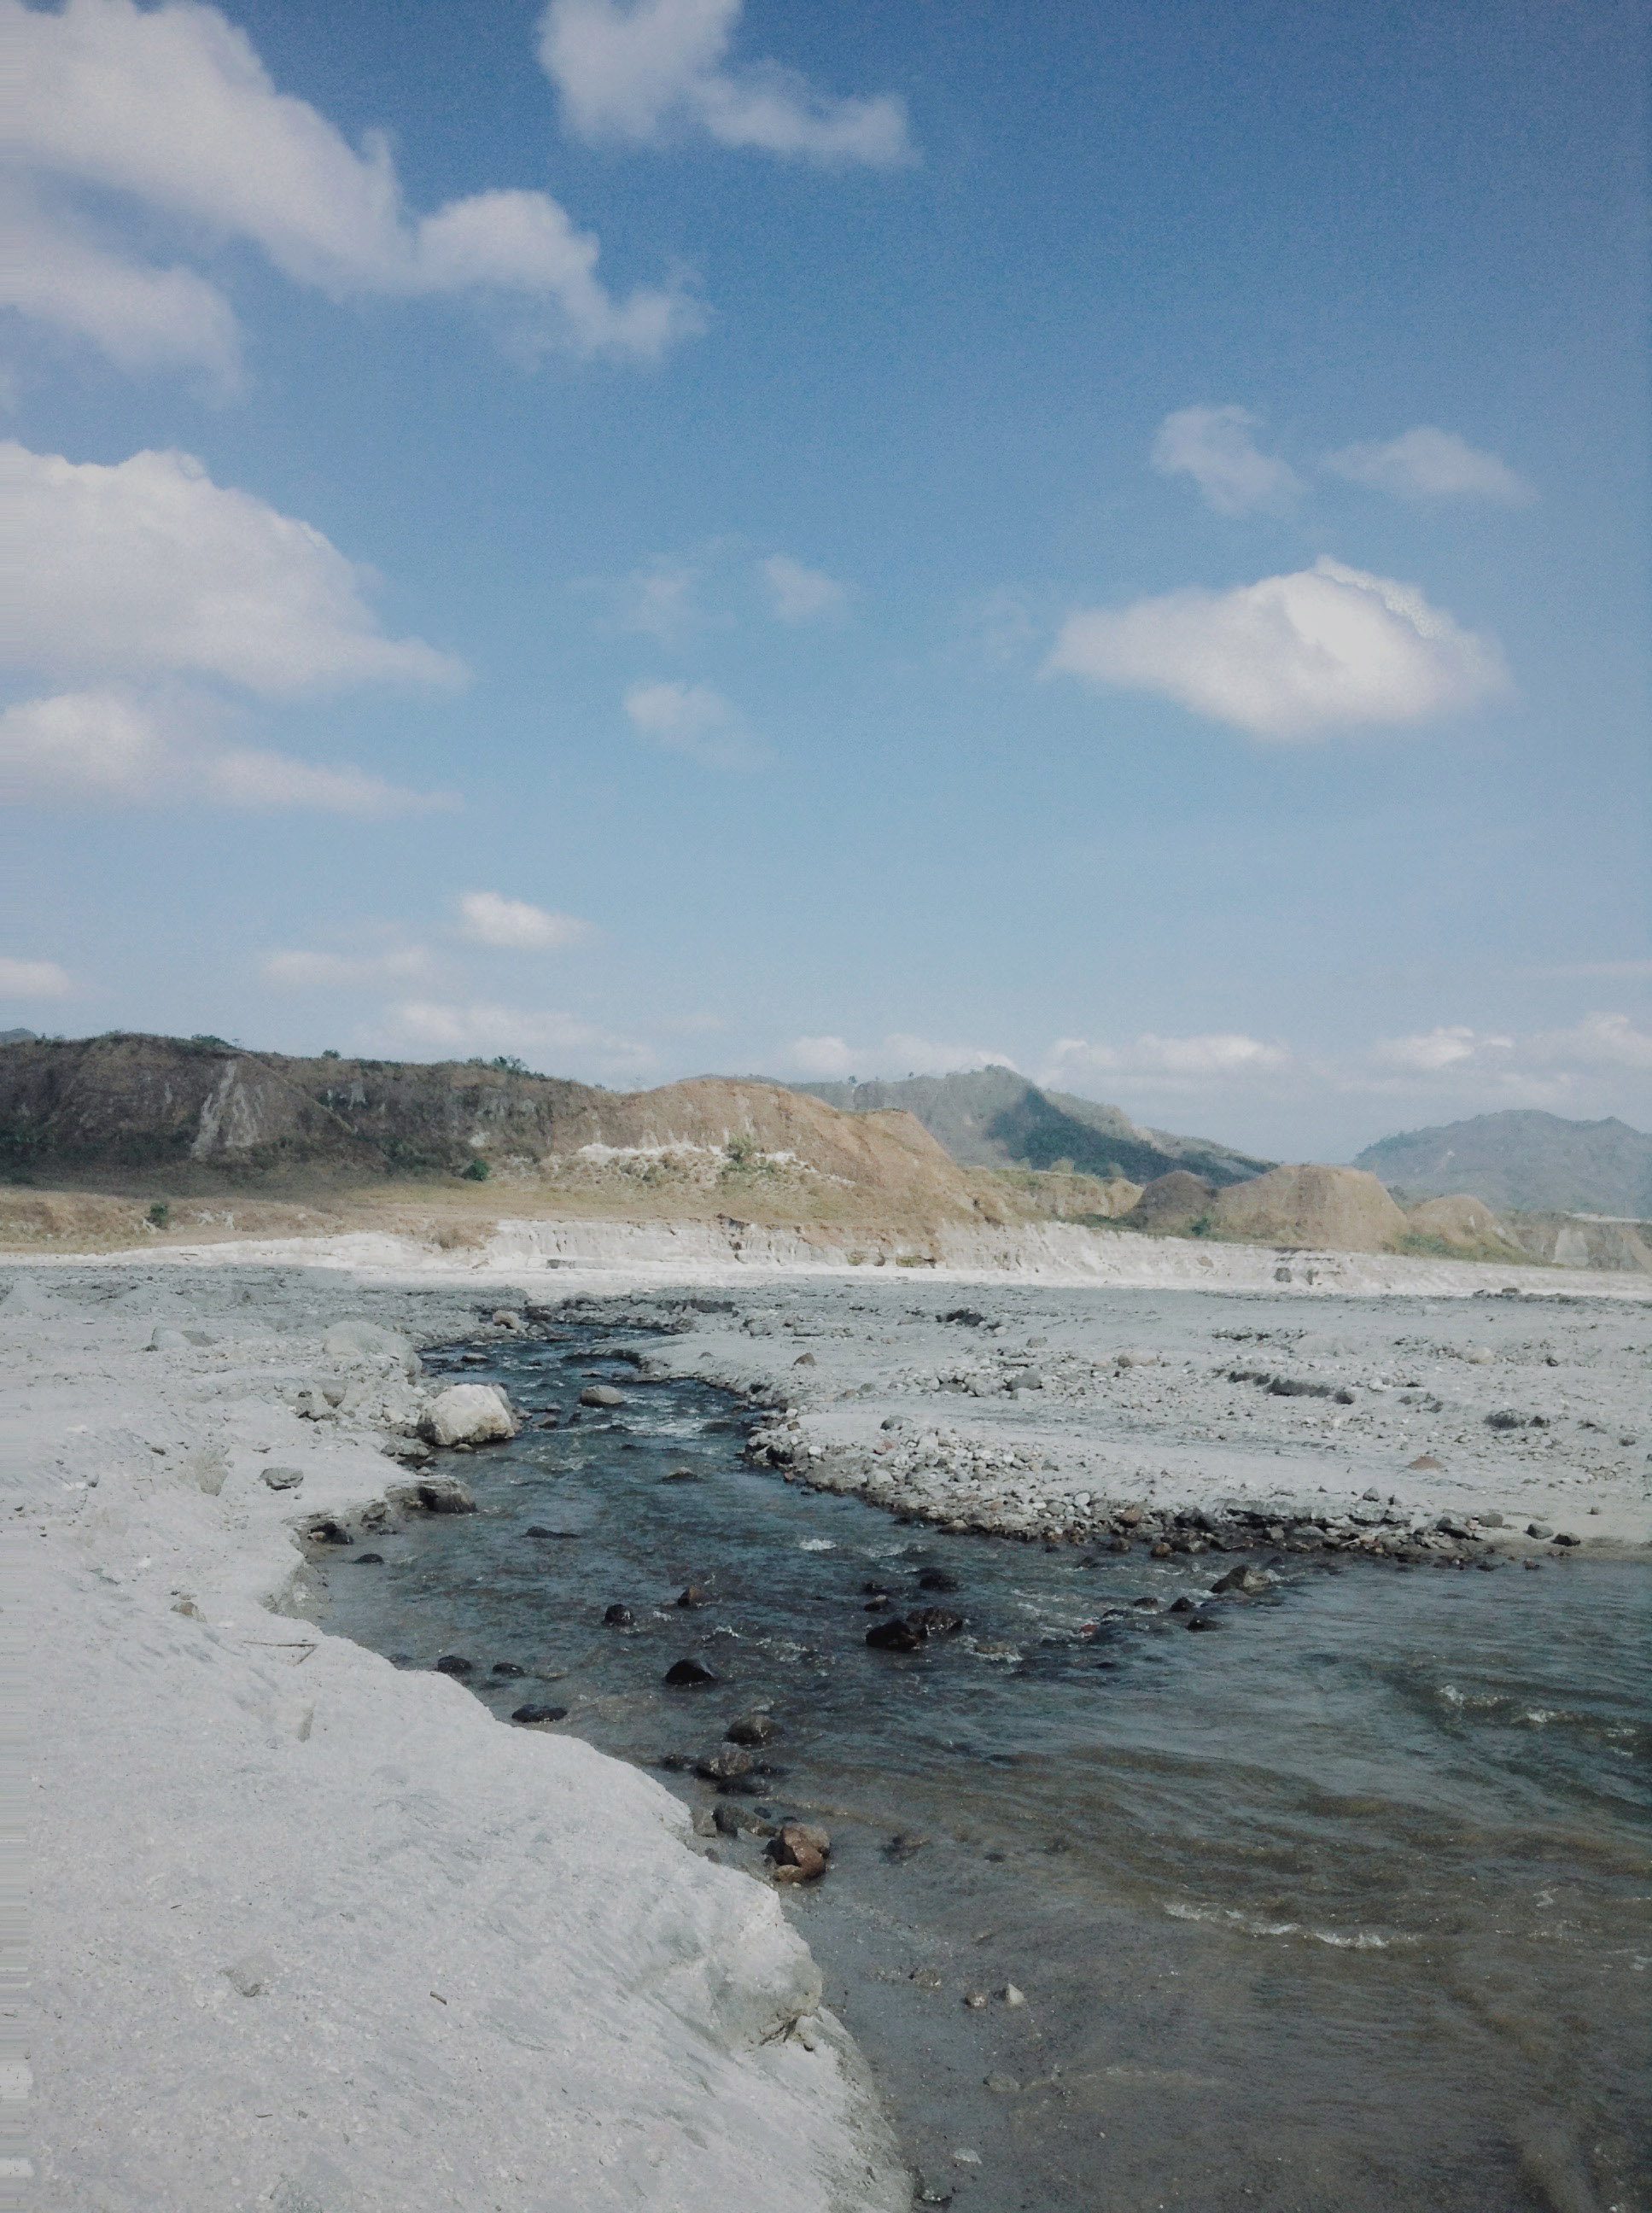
x=1343 y=1908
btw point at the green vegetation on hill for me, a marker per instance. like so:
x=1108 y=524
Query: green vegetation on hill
x=991 y=1118
x=1522 y=1160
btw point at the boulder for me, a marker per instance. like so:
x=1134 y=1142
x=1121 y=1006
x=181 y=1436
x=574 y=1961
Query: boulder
x=470 y=1414
x=444 y=1494
x=358 y=1339
x=752 y=1728
x=799 y=1852
x=601 y=1394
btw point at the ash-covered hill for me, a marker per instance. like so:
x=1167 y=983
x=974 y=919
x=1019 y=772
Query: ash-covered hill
x=1523 y=1160
x=195 y=1115
x=991 y=1118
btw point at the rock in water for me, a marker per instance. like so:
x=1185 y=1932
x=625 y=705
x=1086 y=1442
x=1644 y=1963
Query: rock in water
x=752 y=1728
x=618 y=1617
x=601 y=1394
x=689 y=1675
x=896 y=1636
x=444 y=1494
x=454 y=1663
x=725 y=1765
x=507 y=1667
x=799 y=1852
x=535 y=1717
x=470 y=1414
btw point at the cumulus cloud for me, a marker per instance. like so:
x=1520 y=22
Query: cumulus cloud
x=110 y=747
x=1427 y=463
x=652 y=71
x=1215 y=447
x=171 y=110
x=468 y=1027
x=1538 y=1062
x=514 y=925
x=899 y=1054
x=1327 y=648
x=32 y=979
x=797 y=594
x=333 y=972
x=148 y=567
x=692 y=719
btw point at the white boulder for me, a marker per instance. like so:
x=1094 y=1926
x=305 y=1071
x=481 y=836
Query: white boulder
x=470 y=1414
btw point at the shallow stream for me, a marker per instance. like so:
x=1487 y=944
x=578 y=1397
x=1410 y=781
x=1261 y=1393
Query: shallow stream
x=1342 y=1908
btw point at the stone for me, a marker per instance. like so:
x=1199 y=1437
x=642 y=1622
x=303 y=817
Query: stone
x=689 y=1675
x=903 y=1845
x=1161 y=1551
x=1425 y=1464
x=601 y=1394
x=896 y=1636
x=283 y=1478
x=470 y=1414
x=695 y=1595
x=1012 y=1996
x=534 y=1717
x=1146 y=1605
x=938 y=1621
x=368 y=1560
x=505 y=1318
x=1565 y=1537
x=1246 y=1579
x=618 y=1617
x=1505 y=1417
x=250 y=1977
x=444 y=1494
x=724 y=1766
x=936 y=1579
x=507 y=1670
x=1130 y=1516
x=324 y=1530
x=804 y=1360
x=681 y=1475
x=799 y=1852
x=1538 y=1529
x=1182 y=1604
x=1003 y=2086
x=754 y=1728
x=976 y=2000
x=454 y=1663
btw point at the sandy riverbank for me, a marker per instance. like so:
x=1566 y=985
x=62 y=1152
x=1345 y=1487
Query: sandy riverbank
x=312 y=1935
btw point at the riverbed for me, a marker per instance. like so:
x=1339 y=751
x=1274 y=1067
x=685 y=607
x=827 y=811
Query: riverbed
x=1340 y=1904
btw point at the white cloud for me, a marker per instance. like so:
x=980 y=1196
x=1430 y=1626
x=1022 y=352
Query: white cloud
x=1427 y=463
x=692 y=719
x=109 y=747
x=653 y=70
x=1212 y=1055
x=798 y=595
x=1213 y=446
x=32 y=979
x=487 y=918
x=658 y=600
x=171 y=108
x=148 y=567
x=1327 y=648
x=900 y=1054
x=465 y=1028
x=1537 y=1063
x=331 y=972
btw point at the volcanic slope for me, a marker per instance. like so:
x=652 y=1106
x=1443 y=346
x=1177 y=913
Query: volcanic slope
x=991 y=1118
x=1523 y=1159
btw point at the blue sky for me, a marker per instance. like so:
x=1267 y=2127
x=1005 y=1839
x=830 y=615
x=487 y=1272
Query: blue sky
x=840 y=540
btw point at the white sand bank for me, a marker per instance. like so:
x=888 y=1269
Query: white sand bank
x=312 y=1936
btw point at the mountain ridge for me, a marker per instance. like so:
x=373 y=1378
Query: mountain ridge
x=1523 y=1160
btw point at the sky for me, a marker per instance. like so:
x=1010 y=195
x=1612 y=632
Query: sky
x=668 y=536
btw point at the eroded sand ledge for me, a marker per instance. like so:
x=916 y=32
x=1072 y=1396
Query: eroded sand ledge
x=315 y=1935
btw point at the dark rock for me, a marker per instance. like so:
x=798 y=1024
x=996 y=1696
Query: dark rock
x=939 y=1621
x=1247 y=1580
x=324 y=1530
x=689 y=1675
x=618 y=1617
x=695 y=1596
x=936 y=1579
x=1565 y=1537
x=896 y=1636
x=507 y=1669
x=1204 y=1621
x=451 y=1663
x=529 y=1717
x=1161 y=1551
x=682 y=1475
x=1182 y=1604
x=368 y=1560
x=1538 y=1529
x=903 y=1845
x=1505 y=1418
x=754 y=1728
x=875 y=1606
x=724 y=1767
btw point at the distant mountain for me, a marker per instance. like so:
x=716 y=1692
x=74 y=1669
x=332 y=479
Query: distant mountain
x=990 y=1118
x=16 y=1037
x=1533 y=1162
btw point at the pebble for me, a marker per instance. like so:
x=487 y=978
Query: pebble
x=1012 y=1996
x=1003 y=2086
x=799 y=1852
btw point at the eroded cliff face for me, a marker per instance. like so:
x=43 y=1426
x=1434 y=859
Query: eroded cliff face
x=209 y=1115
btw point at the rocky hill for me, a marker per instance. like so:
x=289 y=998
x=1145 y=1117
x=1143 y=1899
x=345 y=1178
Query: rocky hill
x=187 y=1117
x=1522 y=1160
x=991 y=1118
